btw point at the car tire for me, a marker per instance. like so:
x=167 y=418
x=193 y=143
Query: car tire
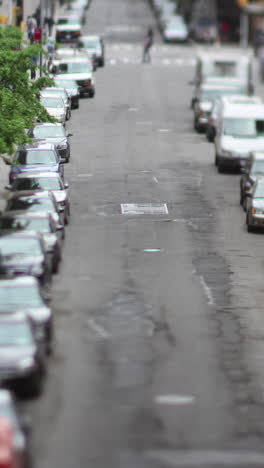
x=35 y=387
x=220 y=167
x=92 y=94
x=216 y=160
x=249 y=228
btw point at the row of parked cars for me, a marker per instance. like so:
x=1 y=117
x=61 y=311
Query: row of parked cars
x=232 y=117
x=32 y=231
x=172 y=25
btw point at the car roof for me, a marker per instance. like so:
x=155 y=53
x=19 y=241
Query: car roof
x=19 y=281
x=26 y=214
x=32 y=193
x=255 y=111
x=21 y=234
x=37 y=144
x=258 y=155
x=38 y=175
x=242 y=99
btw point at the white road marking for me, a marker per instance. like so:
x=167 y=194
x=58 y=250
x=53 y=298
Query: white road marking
x=133 y=109
x=144 y=209
x=85 y=175
x=177 y=400
x=155 y=180
x=112 y=62
x=152 y=250
x=164 y=130
x=98 y=329
x=207 y=291
x=147 y=122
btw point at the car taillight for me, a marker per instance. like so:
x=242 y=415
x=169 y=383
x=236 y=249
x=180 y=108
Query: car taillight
x=87 y=83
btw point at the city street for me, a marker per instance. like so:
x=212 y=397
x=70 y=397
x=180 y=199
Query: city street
x=158 y=359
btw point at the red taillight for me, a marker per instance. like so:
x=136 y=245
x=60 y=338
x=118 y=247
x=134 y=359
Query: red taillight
x=87 y=83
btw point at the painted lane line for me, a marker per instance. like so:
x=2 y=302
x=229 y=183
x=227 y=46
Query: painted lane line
x=85 y=175
x=147 y=122
x=207 y=291
x=152 y=250
x=176 y=400
x=98 y=329
x=164 y=130
x=155 y=180
x=133 y=109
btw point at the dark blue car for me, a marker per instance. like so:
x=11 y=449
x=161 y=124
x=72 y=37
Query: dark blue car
x=36 y=157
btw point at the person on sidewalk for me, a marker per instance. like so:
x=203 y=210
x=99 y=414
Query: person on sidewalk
x=148 y=42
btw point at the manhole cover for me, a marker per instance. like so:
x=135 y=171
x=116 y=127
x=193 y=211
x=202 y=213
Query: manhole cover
x=144 y=208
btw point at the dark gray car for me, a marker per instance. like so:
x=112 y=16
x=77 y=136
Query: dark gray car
x=53 y=133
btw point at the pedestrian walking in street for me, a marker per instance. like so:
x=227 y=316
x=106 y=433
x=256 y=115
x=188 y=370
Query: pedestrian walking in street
x=148 y=42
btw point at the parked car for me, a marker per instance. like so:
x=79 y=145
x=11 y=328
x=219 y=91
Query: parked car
x=22 y=355
x=80 y=70
x=94 y=46
x=37 y=201
x=71 y=88
x=68 y=28
x=37 y=156
x=45 y=181
x=204 y=29
x=240 y=131
x=23 y=253
x=21 y=431
x=255 y=206
x=40 y=222
x=175 y=29
x=55 y=107
x=24 y=294
x=59 y=92
x=204 y=101
x=252 y=171
x=53 y=133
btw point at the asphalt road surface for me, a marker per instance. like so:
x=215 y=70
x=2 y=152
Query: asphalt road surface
x=159 y=302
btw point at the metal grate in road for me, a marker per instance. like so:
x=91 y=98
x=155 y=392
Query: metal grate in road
x=144 y=209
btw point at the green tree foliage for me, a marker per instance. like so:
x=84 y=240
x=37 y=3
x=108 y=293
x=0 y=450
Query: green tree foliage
x=19 y=96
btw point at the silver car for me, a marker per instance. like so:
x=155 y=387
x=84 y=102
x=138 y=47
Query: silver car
x=59 y=92
x=55 y=107
x=48 y=181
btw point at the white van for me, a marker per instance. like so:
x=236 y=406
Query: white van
x=232 y=67
x=240 y=130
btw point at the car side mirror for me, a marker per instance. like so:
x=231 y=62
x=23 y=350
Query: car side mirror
x=66 y=185
x=59 y=227
x=69 y=134
x=8 y=187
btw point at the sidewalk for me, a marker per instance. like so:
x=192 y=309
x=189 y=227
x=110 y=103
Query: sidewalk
x=4 y=171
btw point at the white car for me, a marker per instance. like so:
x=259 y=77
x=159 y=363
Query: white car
x=55 y=107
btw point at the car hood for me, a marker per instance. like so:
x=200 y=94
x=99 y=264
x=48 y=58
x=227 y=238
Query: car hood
x=12 y=355
x=55 y=140
x=242 y=145
x=38 y=314
x=54 y=112
x=18 y=260
x=60 y=195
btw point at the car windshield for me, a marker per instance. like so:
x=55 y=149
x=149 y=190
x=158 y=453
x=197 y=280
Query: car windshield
x=15 y=334
x=247 y=128
x=30 y=204
x=23 y=246
x=212 y=94
x=68 y=20
x=19 y=296
x=49 y=131
x=20 y=223
x=259 y=191
x=41 y=183
x=35 y=157
x=89 y=43
x=258 y=167
x=54 y=102
x=75 y=67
